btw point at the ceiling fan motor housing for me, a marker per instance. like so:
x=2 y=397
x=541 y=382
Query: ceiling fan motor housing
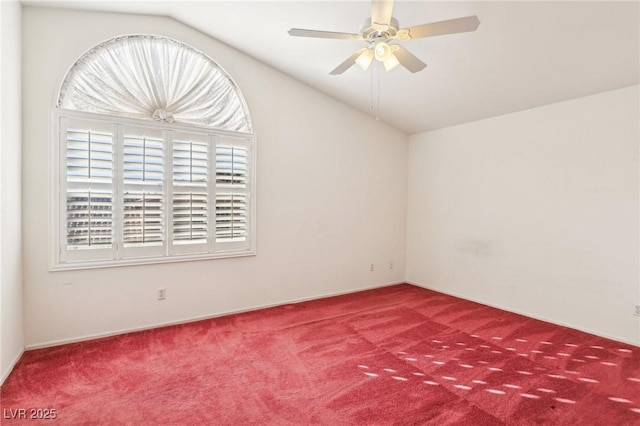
x=374 y=32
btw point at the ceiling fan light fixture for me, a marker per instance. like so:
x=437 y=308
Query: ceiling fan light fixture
x=391 y=62
x=365 y=59
x=382 y=51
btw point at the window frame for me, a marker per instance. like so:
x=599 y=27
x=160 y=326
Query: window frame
x=171 y=252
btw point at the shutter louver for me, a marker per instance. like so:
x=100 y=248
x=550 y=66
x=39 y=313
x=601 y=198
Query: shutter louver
x=89 y=219
x=190 y=217
x=231 y=217
x=142 y=218
x=143 y=159
x=189 y=162
x=231 y=166
x=89 y=156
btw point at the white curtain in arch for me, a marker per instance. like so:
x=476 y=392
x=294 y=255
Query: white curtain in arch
x=154 y=78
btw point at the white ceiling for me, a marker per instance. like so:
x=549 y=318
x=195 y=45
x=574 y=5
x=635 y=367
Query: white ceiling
x=524 y=54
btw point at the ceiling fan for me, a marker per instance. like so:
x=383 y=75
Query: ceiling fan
x=382 y=32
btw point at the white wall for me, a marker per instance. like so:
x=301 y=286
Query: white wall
x=11 y=312
x=536 y=212
x=331 y=196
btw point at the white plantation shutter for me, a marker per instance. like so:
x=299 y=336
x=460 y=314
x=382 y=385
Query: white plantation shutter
x=143 y=156
x=143 y=216
x=190 y=207
x=190 y=217
x=143 y=202
x=231 y=165
x=232 y=193
x=133 y=193
x=231 y=217
x=89 y=219
x=86 y=199
x=89 y=155
x=190 y=160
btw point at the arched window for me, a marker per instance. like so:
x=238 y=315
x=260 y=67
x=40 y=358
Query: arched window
x=154 y=78
x=155 y=158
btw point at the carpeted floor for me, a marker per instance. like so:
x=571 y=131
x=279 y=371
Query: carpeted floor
x=396 y=355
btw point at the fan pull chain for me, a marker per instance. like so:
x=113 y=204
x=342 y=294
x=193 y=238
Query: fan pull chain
x=371 y=106
x=374 y=105
x=378 y=100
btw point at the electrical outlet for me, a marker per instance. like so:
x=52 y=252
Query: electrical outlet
x=372 y=267
x=390 y=265
x=162 y=293
x=636 y=310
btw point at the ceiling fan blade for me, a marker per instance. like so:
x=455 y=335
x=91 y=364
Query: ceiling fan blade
x=381 y=11
x=408 y=60
x=346 y=64
x=451 y=26
x=299 y=32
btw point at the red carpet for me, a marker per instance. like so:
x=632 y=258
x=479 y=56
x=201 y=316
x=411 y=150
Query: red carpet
x=397 y=355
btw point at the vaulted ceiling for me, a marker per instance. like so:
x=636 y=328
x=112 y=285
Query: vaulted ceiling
x=524 y=53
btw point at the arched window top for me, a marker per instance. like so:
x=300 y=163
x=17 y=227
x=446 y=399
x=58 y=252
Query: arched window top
x=154 y=78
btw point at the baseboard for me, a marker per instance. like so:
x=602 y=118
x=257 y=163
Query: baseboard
x=5 y=374
x=527 y=314
x=200 y=318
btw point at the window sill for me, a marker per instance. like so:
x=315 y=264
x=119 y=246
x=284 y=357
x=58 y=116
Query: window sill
x=147 y=260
